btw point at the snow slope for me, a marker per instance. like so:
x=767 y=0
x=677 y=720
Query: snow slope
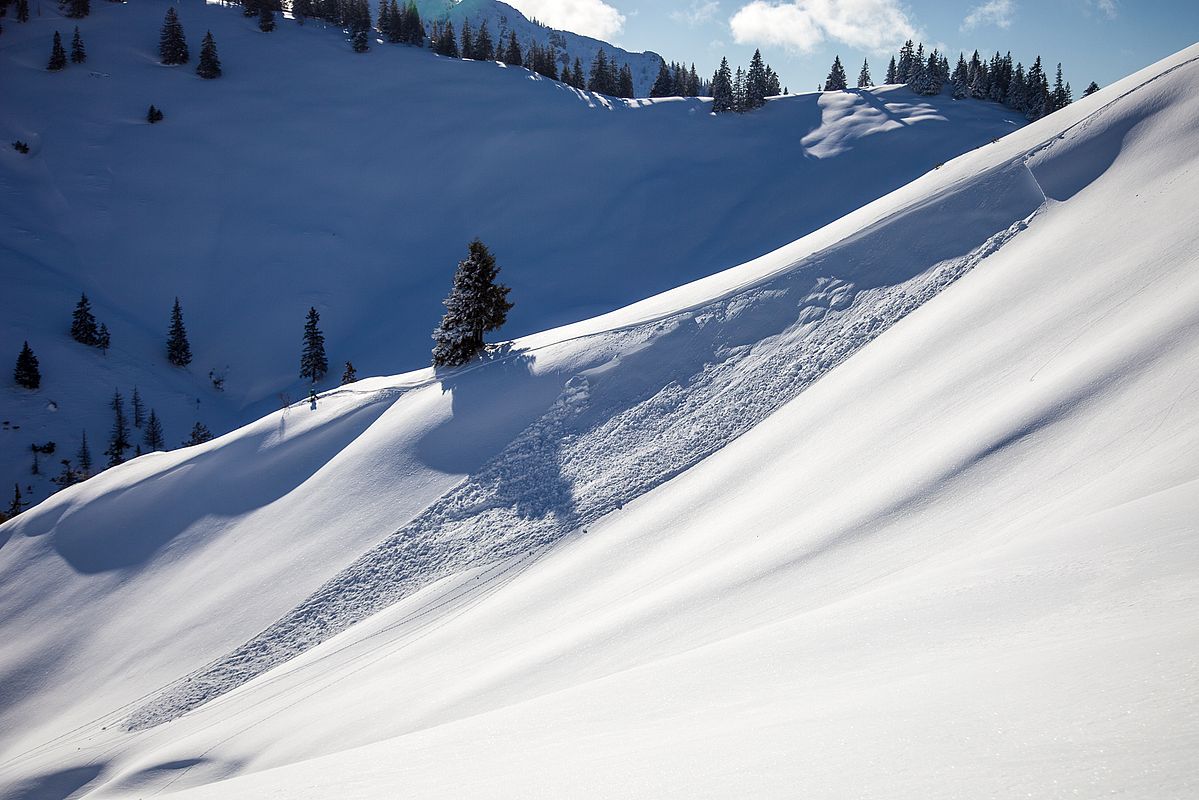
x=903 y=509
x=309 y=175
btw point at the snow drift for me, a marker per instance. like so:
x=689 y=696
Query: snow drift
x=903 y=509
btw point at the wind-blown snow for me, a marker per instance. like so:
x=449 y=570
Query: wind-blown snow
x=903 y=509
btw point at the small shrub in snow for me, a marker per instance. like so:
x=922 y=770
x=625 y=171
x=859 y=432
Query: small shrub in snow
x=20 y=147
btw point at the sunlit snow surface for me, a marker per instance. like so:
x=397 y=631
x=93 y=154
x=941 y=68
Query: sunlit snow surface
x=904 y=509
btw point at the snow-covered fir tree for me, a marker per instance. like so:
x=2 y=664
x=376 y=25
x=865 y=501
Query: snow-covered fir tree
x=313 y=363
x=722 y=88
x=83 y=323
x=864 y=79
x=78 y=52
x=26 y=372
x=153 y=436
x=58 y=56
x=476 y=305
x=172 y=45
x=179 y=351
x=836 y=79
x=210 y=63
x=118 y=440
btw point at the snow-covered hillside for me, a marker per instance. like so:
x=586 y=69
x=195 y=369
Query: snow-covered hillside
x=502 y=18
x=903 y=509
x=312 y=176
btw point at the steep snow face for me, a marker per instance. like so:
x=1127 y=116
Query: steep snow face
x=502 y=18
x=903 y=509
x=312 y=176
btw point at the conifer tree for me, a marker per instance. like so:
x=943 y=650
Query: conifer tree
x=359 y=41
x=69 y=476
x=414 y=29
x=722 y=88
x=755 y=82
x=476 y=304
x=773 y=88
x=78 y=9
x=179 y=351
x=663 y=86
x=892 y=72
x=83 y=323
x=84 y=457
x=1091 y=89
x=864 y=79
x=961 y=78
x=624 y=84
x=103 y=339
x=210 y=63
x=266 y=19
x=78 y=53
x=484 y=46
x=153 y=114
x=118 y=441
x=22 y=10
x=907 y=55
x=199 y=435
x=836 y=80
x=172 y=46
x=468 y=42
x=349 y=375
x=17 y=504
x=576 y=76
x=26 y=373
x=512 y=54
x=313 y=363
x=739 y=90
x=58 y=56
x=445 y=45
x=139 y=408
x=153 y=435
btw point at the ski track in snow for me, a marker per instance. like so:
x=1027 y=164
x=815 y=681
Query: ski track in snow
x=627 y=425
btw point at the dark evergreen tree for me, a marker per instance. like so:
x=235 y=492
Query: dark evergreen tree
x=467 y=47
x=153 y=435
x=199 y=435
x=961 y=78
x=576 y=76
x=1037 y=100
x=484 y=46
x=103 y=339
x=153 y=114
x=69 y=476
x=907 y=56
x=84 y=457
x=1061 y=92
x=17 y=504
x=445 y=44
x=359 y=41
x=414 y=29
x=892 y=72
x=512 y=54
x=118 y=440
x=476 y=304
x=210 y=63
x=864 y=79
x=139 y=408
x=756 y=88
x=624 y=83
x=349 y=375
x=1091 y=89
x=172 y=46
x=78 y=53
x=26 y=373
x=78 y=9
x=773 y=87
x=179 y=351
x=739 y=90
x=22 y=10
x=58 y=56
x=83 y=323
x=266 y=19
x=663 y=85
x=722 y=88
x=836 y=80
x=313 y=363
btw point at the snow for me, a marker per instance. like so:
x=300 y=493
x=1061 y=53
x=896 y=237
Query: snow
x=312 y=176
x=902 y=509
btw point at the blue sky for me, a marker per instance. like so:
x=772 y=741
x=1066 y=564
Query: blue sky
x=1100 y=40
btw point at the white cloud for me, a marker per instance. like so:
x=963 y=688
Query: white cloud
x=698 y=13
x=588 y=17
x=876 y=25
x=992 y=12
x=1108 y=7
